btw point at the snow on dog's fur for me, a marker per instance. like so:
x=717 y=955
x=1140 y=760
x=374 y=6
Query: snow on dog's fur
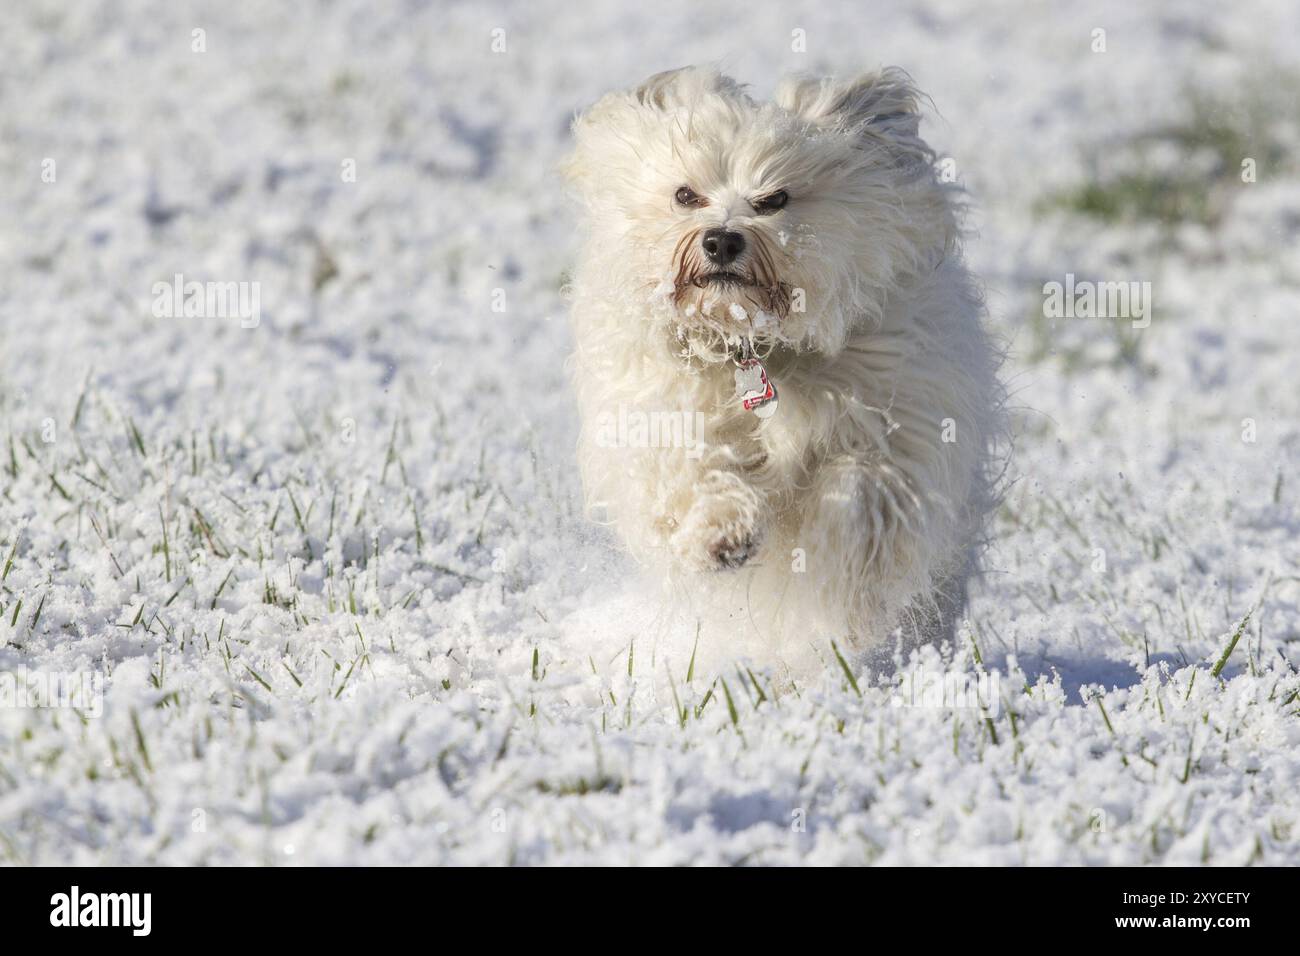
x=855 y=507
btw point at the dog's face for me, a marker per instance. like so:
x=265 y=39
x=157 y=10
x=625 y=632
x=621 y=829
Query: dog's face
x=783 y=222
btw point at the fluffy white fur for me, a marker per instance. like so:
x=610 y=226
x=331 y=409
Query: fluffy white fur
x=856 y=508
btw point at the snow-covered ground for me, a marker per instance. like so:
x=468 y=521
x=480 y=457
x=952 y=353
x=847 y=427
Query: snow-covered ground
x=332 y=568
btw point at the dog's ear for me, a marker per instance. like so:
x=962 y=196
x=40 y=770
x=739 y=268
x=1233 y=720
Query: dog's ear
x=616 y=119
x=609 y=120
x=616 y=114
x=881 y=105
x=599 y=132
x=658 y=90
x=678 y=87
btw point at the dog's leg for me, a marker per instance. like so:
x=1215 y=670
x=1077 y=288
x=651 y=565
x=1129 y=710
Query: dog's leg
x=714 y=522
x=868 y=548
x=694 y=514
x=935 y=620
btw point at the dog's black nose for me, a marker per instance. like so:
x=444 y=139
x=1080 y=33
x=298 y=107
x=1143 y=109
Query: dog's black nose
x=722 y=247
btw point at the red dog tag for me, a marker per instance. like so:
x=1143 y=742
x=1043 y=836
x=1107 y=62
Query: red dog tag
x=753 y=388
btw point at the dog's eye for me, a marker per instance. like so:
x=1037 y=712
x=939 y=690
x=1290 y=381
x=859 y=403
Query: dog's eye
x=771 y=202
x=686 y=196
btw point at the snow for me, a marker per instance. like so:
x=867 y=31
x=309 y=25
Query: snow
x=194 y=509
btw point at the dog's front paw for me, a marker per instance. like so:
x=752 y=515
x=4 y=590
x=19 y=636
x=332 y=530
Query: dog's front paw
x=729 y=554
x=717 y=535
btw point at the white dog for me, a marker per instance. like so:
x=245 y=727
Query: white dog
x=781 y=366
